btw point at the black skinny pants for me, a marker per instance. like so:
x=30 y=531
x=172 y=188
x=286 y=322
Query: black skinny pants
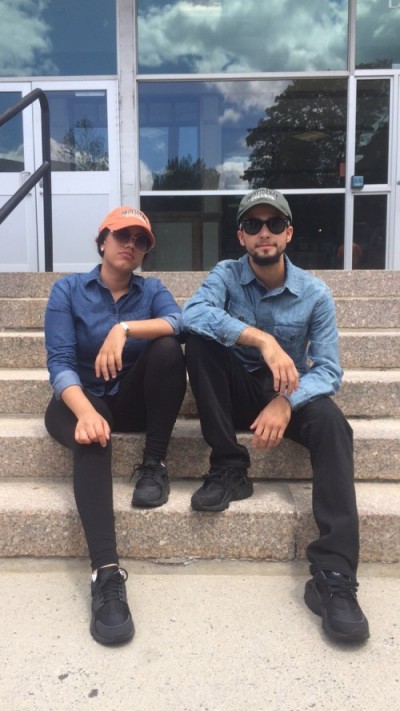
x=148 y=400
x=229 y=398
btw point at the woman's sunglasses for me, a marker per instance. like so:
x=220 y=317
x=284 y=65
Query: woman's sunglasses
x=253 y=225
x=141 y=242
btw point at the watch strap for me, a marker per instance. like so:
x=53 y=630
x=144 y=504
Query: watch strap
x=125 y=326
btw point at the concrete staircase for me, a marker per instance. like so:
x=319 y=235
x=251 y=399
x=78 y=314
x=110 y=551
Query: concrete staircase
x=37 y=510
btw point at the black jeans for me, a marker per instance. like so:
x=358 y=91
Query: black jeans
x=148 y=400
x=229 y=398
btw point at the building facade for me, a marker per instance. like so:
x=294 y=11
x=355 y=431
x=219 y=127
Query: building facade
x=183 y=106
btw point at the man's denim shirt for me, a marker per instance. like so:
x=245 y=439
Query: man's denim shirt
x=300 y=315
x=80 y=313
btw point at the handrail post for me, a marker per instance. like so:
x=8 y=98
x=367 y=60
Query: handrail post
x=47 y=206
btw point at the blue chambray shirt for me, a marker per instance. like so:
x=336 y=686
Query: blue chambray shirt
x=300 y=315
x=80 y=313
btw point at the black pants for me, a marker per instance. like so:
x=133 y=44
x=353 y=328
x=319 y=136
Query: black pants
x=148 y=400
x=230 y=398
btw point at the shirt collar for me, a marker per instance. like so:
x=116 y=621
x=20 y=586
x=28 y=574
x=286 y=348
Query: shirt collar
x=94 y=275
x=292 y=282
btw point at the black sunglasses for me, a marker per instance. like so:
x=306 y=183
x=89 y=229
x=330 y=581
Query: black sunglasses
x=253 y=225
x=141 y=242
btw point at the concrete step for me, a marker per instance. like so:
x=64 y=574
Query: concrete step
x=359 y=349
x=25 y=313
x=352 y=312
x=369 y=349
x=364 y=393
x=37 y=512
x=39 y=518
x=362 y=283
x=26 y=450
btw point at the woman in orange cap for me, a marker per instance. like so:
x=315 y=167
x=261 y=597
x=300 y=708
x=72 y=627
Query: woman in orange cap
x=115 y=363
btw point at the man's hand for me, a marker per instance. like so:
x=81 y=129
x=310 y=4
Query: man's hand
x=92 y=427
x=270 y=425
x=109 y=358
x=283 y=369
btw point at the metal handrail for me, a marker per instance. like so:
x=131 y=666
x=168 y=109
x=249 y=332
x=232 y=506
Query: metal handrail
x=44 y=171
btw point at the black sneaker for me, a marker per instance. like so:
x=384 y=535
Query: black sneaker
x=111 y=618
x=152 y=486
x=221 y=486
x=333 y=596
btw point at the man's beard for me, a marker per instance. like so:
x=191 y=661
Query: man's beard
x=267 y=260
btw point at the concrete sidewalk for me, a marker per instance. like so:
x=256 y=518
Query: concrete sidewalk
x=210 y=636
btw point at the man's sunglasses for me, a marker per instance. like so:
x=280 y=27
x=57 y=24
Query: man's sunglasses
x=253 y=225
x=141 y=242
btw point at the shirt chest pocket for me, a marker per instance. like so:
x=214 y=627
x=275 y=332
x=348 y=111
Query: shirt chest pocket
x=291 y=337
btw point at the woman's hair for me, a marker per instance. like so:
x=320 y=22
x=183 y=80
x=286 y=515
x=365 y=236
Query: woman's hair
x=100 y=239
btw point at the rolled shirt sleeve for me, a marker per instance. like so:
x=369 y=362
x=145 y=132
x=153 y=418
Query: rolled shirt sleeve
x=60 y=339
x=164 y=306
x=324 y=375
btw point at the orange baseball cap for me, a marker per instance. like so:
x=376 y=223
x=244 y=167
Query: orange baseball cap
x=126 y=216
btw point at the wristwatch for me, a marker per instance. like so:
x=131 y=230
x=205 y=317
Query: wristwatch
x=125 y=326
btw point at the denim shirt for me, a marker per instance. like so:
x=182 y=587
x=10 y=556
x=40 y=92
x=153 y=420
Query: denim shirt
x=80 y=313
x=300 y=315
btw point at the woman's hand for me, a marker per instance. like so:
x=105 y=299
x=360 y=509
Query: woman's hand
x=270 y=425
x=92 y=427
x=109 y=358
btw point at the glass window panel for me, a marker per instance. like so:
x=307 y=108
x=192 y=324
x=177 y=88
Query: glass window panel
x=236 y=135
x=78 y=130
x=318 y=235
x=377 y=34
x=11 y=136
x=71 y=38
x=372 y=130
x=205 y=36
x=194 y=233
x=187 y=144
x=369 y=245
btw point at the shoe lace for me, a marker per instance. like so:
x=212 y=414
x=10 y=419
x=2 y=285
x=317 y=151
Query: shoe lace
x=149 y=472
x=111 y=588
x=219 y=475
x=340 y=585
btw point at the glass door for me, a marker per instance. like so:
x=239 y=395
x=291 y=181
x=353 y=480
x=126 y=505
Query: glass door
x=18 y=238
x=370 y=179
x=85 y=172
x=85 y=167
